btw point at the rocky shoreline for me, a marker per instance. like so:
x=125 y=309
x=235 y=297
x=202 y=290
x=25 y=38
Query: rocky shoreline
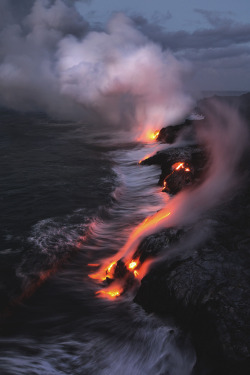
x=208 y=288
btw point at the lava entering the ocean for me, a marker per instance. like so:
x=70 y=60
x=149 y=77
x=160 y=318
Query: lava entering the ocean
x=126 y=268
x=148 y=136
x=154 y=135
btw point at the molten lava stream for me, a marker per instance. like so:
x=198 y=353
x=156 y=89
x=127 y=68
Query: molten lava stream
x=111 y=292
x=148 y=136
x=134 y=269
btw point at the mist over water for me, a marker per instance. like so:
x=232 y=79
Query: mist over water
x=78 y=192
x=63 y=327
x=224 y=135
x=51 y=60
x=72 y=210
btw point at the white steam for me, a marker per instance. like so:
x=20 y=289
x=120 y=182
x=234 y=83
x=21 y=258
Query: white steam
x=50 y=61
x=225 y=136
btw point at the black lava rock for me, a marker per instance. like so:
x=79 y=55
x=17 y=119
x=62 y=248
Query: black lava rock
x=194 y=156
x=208 y=289
x=177 y=181
x=170 y=133
x=152 y=245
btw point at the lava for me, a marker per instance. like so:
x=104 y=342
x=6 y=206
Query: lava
x=132 y=264
x=93 y=264
x=180 y=165
x=148 y=136
x=110 y=293
x=177 y=166
x=154 y=135
x=110 y=267
x=125 y=268
x=105 y=271
x=145 y=157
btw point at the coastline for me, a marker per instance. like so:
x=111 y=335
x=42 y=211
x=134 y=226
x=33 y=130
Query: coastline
x=207 y=289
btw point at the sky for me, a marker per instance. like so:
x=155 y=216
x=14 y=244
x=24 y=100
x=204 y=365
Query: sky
x=173 y=14
x=128 y=62
x=214 y=35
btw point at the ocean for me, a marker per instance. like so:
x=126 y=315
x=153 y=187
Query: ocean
x=70 y=197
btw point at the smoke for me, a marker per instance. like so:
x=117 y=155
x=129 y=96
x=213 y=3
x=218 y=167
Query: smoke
x=52 y=61
x=225 y=137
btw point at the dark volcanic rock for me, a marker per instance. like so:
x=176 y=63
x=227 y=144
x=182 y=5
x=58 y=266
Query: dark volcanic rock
x=120 y=270
x=152 y=245
x=209 y=293
x=207 y=288
x=192 y=155
x=177 y=181
x=170 y=133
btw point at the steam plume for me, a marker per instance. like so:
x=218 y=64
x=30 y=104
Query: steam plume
x=51 y=61
x=225 y=137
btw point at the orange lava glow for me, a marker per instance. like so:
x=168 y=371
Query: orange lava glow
x=179 y=165
x=110 y=293
x=98 y=276
x=93 y=264
x=146 y=157
x=164 y=185
x=105 y=271
x=147 y=226
x=148 y=136
x=110 y=267
x=149 y=222
x=154 y=135
x=117 y=287
x=132 y=265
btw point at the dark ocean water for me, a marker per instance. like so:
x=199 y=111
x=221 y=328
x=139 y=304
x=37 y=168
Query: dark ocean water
x=69 y=198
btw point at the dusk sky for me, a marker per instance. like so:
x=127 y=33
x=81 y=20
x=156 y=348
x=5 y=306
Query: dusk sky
x=95 y=54
x=214 y=35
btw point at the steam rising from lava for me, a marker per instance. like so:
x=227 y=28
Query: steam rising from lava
x=224 y=135
x=51 y=61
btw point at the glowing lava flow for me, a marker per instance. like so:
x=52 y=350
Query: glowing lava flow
x=154 y=135
x=109 y=293
x=146 y=157
x=148 y=136
x=180 y=165
x=133 y=266
x=132 y=269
